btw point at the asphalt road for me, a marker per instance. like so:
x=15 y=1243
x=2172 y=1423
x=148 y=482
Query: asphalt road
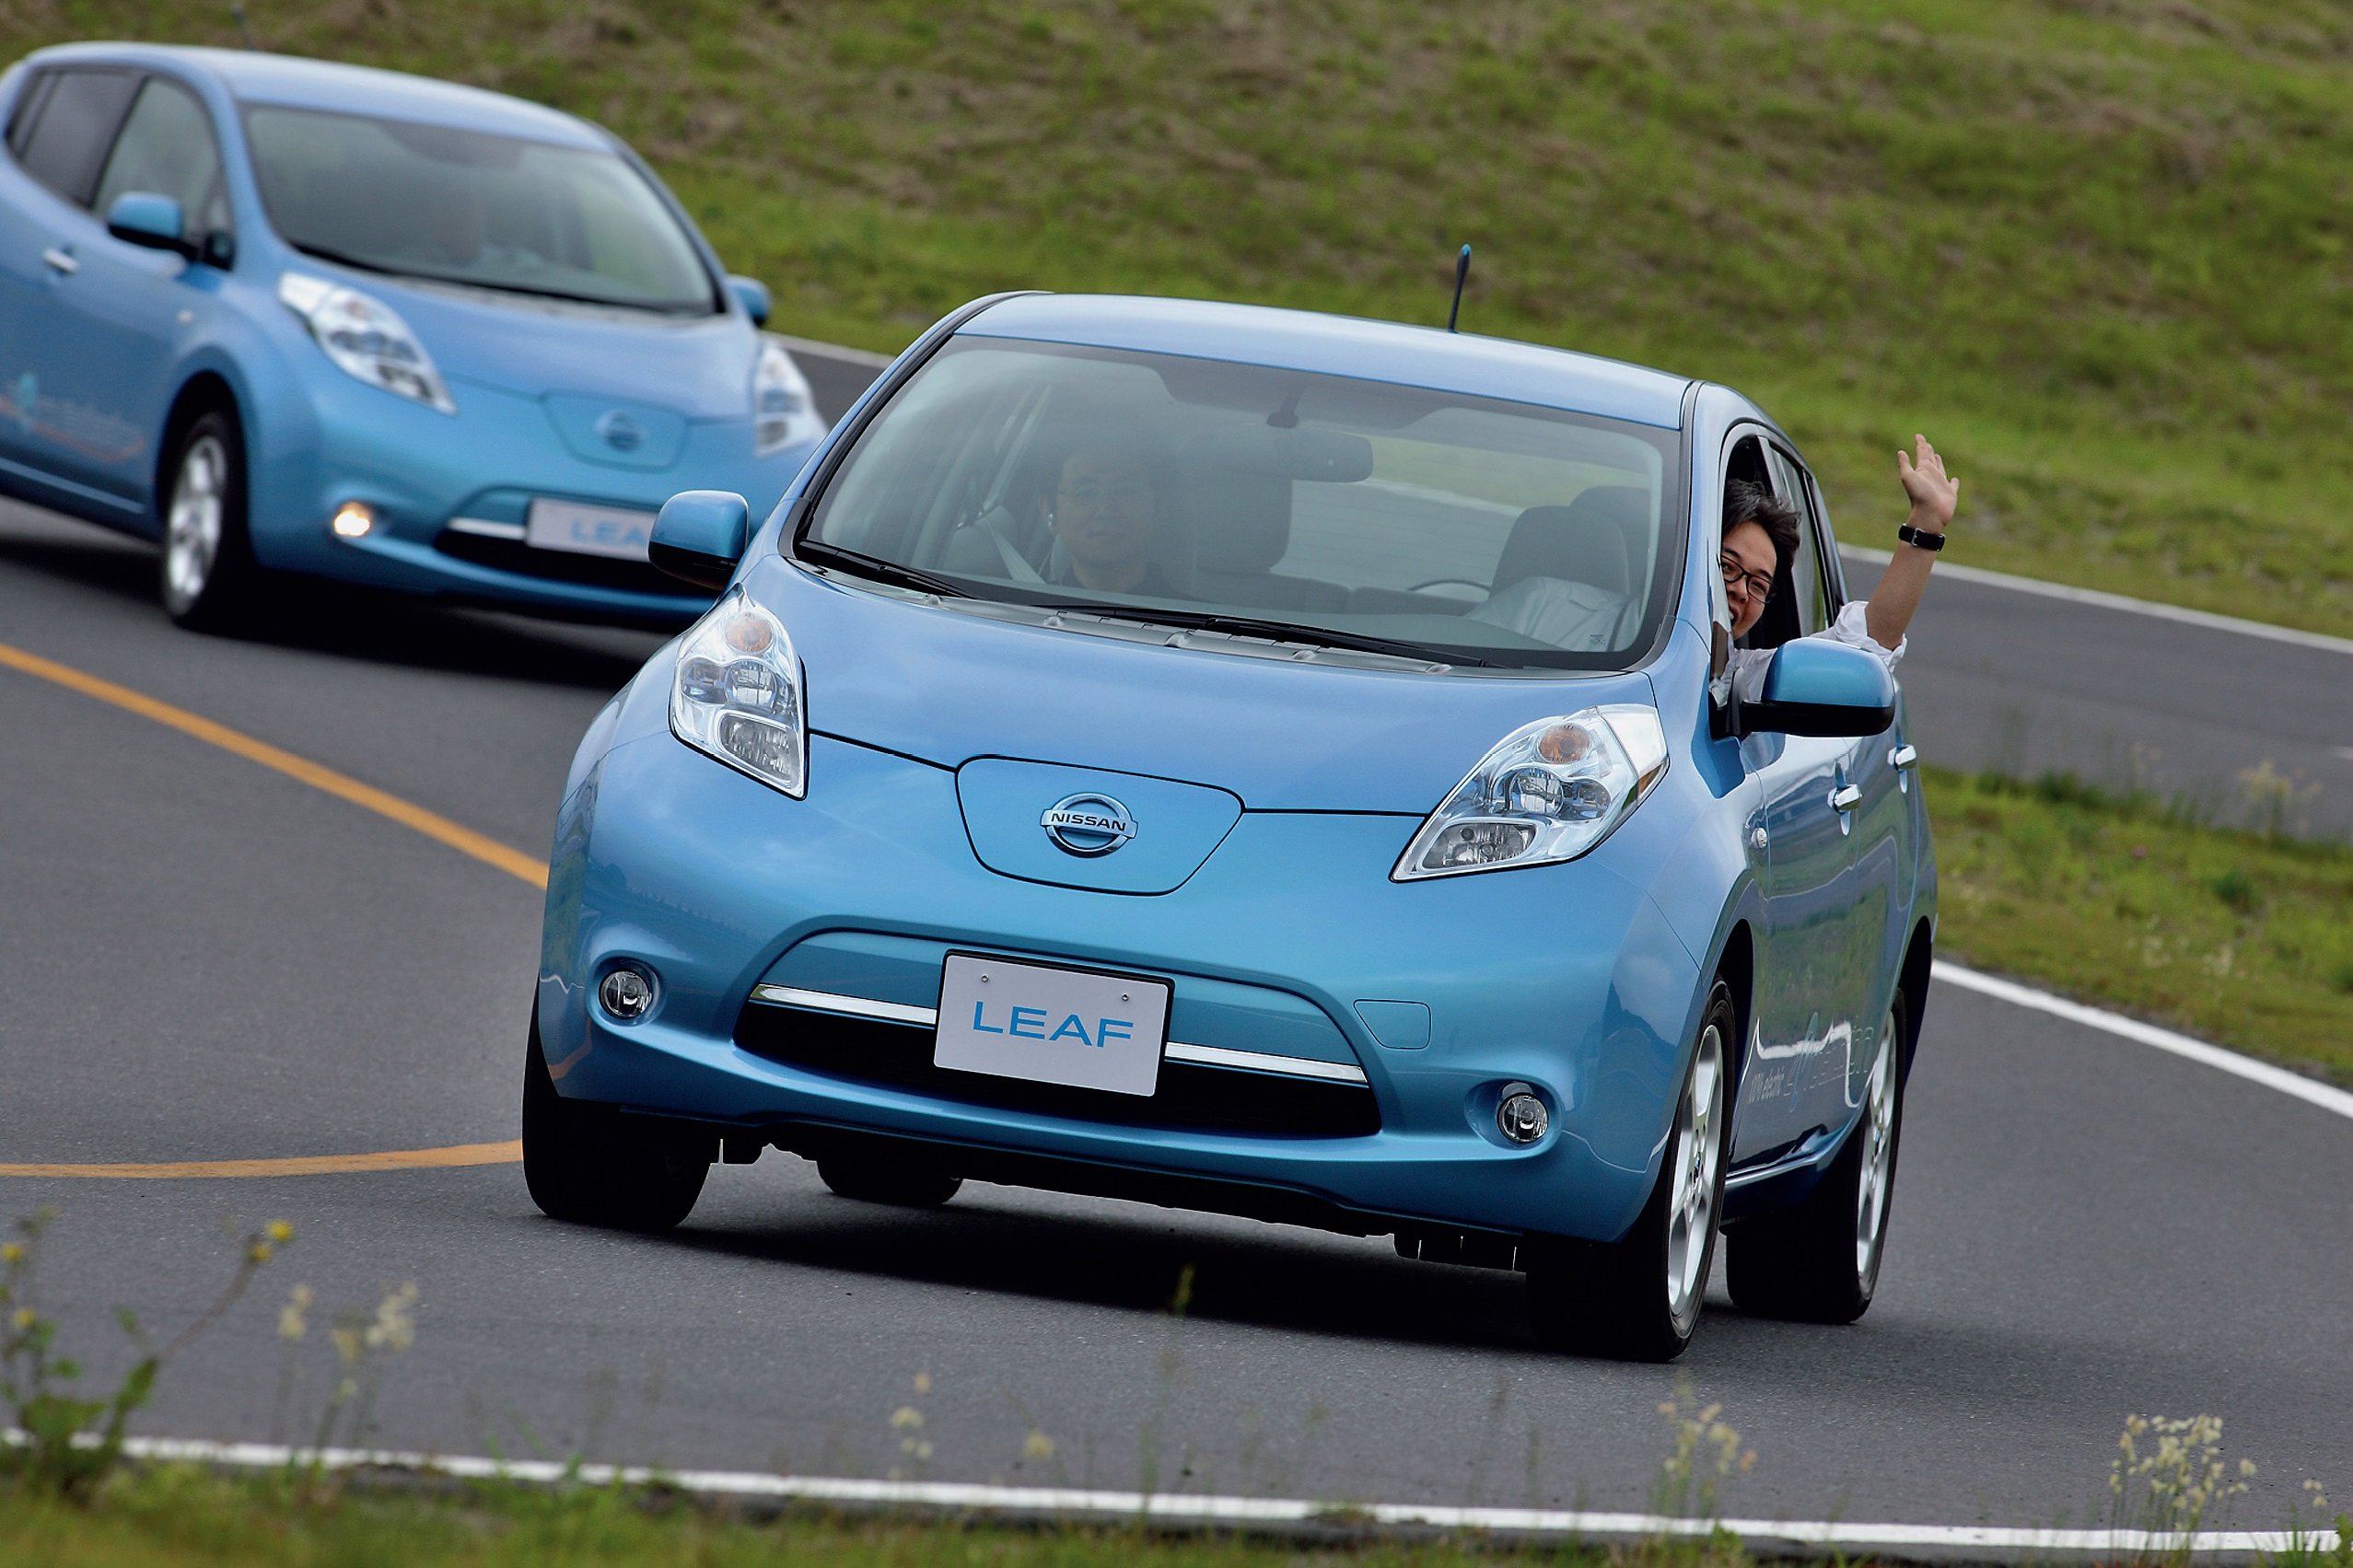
x=212 y=961
x=2228 y=728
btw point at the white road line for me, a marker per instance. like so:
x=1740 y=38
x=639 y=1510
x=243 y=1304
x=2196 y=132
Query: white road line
x=1181 y=1508
x=2344 y=752
x=2174 y=612
x=2311 y=1091
x=833 y=351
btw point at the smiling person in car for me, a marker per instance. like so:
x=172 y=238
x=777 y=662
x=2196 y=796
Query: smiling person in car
x=1105 y=510
x=1761 y=533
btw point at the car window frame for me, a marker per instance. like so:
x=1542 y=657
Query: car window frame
x=57 y=75
x=1791 y=473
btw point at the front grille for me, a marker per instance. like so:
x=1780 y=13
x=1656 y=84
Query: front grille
x=1191 y=1097
x=562 y=565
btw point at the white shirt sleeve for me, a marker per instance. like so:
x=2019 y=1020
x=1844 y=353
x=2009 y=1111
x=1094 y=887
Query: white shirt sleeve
x=1852 y=628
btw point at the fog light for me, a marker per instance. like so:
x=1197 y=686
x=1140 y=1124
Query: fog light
x=1521 y=1117
x=626 y=994
x=353 y=520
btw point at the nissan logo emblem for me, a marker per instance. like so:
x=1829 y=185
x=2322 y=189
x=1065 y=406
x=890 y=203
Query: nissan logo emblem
x=620 y=432
x=1088 y=824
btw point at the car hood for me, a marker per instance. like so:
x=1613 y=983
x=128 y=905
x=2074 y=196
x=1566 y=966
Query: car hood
x=696 y=366
x=946 y=686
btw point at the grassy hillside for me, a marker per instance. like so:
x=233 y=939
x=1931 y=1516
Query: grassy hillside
x=2098 y=247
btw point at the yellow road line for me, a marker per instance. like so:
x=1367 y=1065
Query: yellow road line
x=433 y=825
x=298 y=1164
x=465 y=840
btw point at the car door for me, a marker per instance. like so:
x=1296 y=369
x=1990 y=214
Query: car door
x=1879 y=771
x=1874 y=897
x=60 y=129
x=20 y=271
x=116 y=313
x=1815 y=956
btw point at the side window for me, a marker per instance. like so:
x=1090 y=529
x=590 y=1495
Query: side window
x=69 y=139
x=167 y=149
x=1811 y=597
x=28 y=110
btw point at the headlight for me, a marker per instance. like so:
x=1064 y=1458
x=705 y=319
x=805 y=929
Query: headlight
x=736 y=694
x=1547 y=791
x=784 y=413
x=365 y=338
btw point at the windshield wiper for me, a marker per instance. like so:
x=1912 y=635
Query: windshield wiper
x=881 y=570
x=345 y=259
x=1274 y=631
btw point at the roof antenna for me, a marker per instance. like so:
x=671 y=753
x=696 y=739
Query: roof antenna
x=1462 y=273
x=244 y=29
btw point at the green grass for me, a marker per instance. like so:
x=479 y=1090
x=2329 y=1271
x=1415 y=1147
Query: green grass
x=186 y=1518
x=2099 y=249
x=2244 y=939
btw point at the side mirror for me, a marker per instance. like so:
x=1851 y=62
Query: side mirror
x=1817 y=687
x=700 y=536
x=140 y=217
x=753 y=295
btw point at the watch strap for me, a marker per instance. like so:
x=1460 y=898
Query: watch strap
x=1919 y=538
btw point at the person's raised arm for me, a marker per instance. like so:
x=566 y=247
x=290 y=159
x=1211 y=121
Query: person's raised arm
x=1933 y=496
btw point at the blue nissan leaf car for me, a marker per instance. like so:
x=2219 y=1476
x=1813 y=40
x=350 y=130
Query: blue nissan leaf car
x=294 y=317
x=1258 y=761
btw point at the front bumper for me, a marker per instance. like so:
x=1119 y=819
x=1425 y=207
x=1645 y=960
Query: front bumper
x=1564 y=977
x=419 y=471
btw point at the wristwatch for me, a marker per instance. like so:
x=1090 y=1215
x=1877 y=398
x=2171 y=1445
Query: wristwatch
x=1919 y=539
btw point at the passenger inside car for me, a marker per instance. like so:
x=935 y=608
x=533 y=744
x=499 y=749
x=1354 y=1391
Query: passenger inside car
x=1104 y=513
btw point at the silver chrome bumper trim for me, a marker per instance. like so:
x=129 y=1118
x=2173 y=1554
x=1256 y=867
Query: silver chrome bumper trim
x=1175 y=1051
x=485 y=529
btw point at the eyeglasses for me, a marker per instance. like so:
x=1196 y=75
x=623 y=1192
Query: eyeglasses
x=1760 y=586
x=1124 y=493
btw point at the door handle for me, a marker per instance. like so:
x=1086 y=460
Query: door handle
x=1904 y=757
x=60 y=260
x=1846 y=798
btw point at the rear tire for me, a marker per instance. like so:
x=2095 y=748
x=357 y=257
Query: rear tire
x=592 y=1165
x=1639 y=1298
x=904 y=1180
x=1819 y=1263
x=208 y=576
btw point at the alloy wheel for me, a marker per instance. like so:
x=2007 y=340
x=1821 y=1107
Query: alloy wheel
x=1691 y=1221
x=1878 y=1133
x=193 y=527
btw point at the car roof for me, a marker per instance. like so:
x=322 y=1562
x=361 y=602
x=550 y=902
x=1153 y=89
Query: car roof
x=253 y=78
x=1343 y=345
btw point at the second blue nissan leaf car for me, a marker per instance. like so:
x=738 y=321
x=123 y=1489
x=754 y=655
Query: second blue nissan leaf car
x=1260 y=761
x=290 y=318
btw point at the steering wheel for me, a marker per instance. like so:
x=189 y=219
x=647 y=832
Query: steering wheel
x=1441 y=582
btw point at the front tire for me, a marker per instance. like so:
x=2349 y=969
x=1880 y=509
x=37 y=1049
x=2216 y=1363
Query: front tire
x=591 y=1165
x=1639 y=1298
x=1819 y=1263
x=208 y=578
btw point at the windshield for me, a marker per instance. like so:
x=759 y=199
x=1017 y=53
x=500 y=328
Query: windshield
x=1356 y=514
x=464 y=206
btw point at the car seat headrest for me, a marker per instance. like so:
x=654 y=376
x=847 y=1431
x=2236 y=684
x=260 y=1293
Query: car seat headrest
x=1600 y=538
x=1240 y=521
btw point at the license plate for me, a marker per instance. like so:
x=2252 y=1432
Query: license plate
x=588 y=530
x=1049 y=1025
